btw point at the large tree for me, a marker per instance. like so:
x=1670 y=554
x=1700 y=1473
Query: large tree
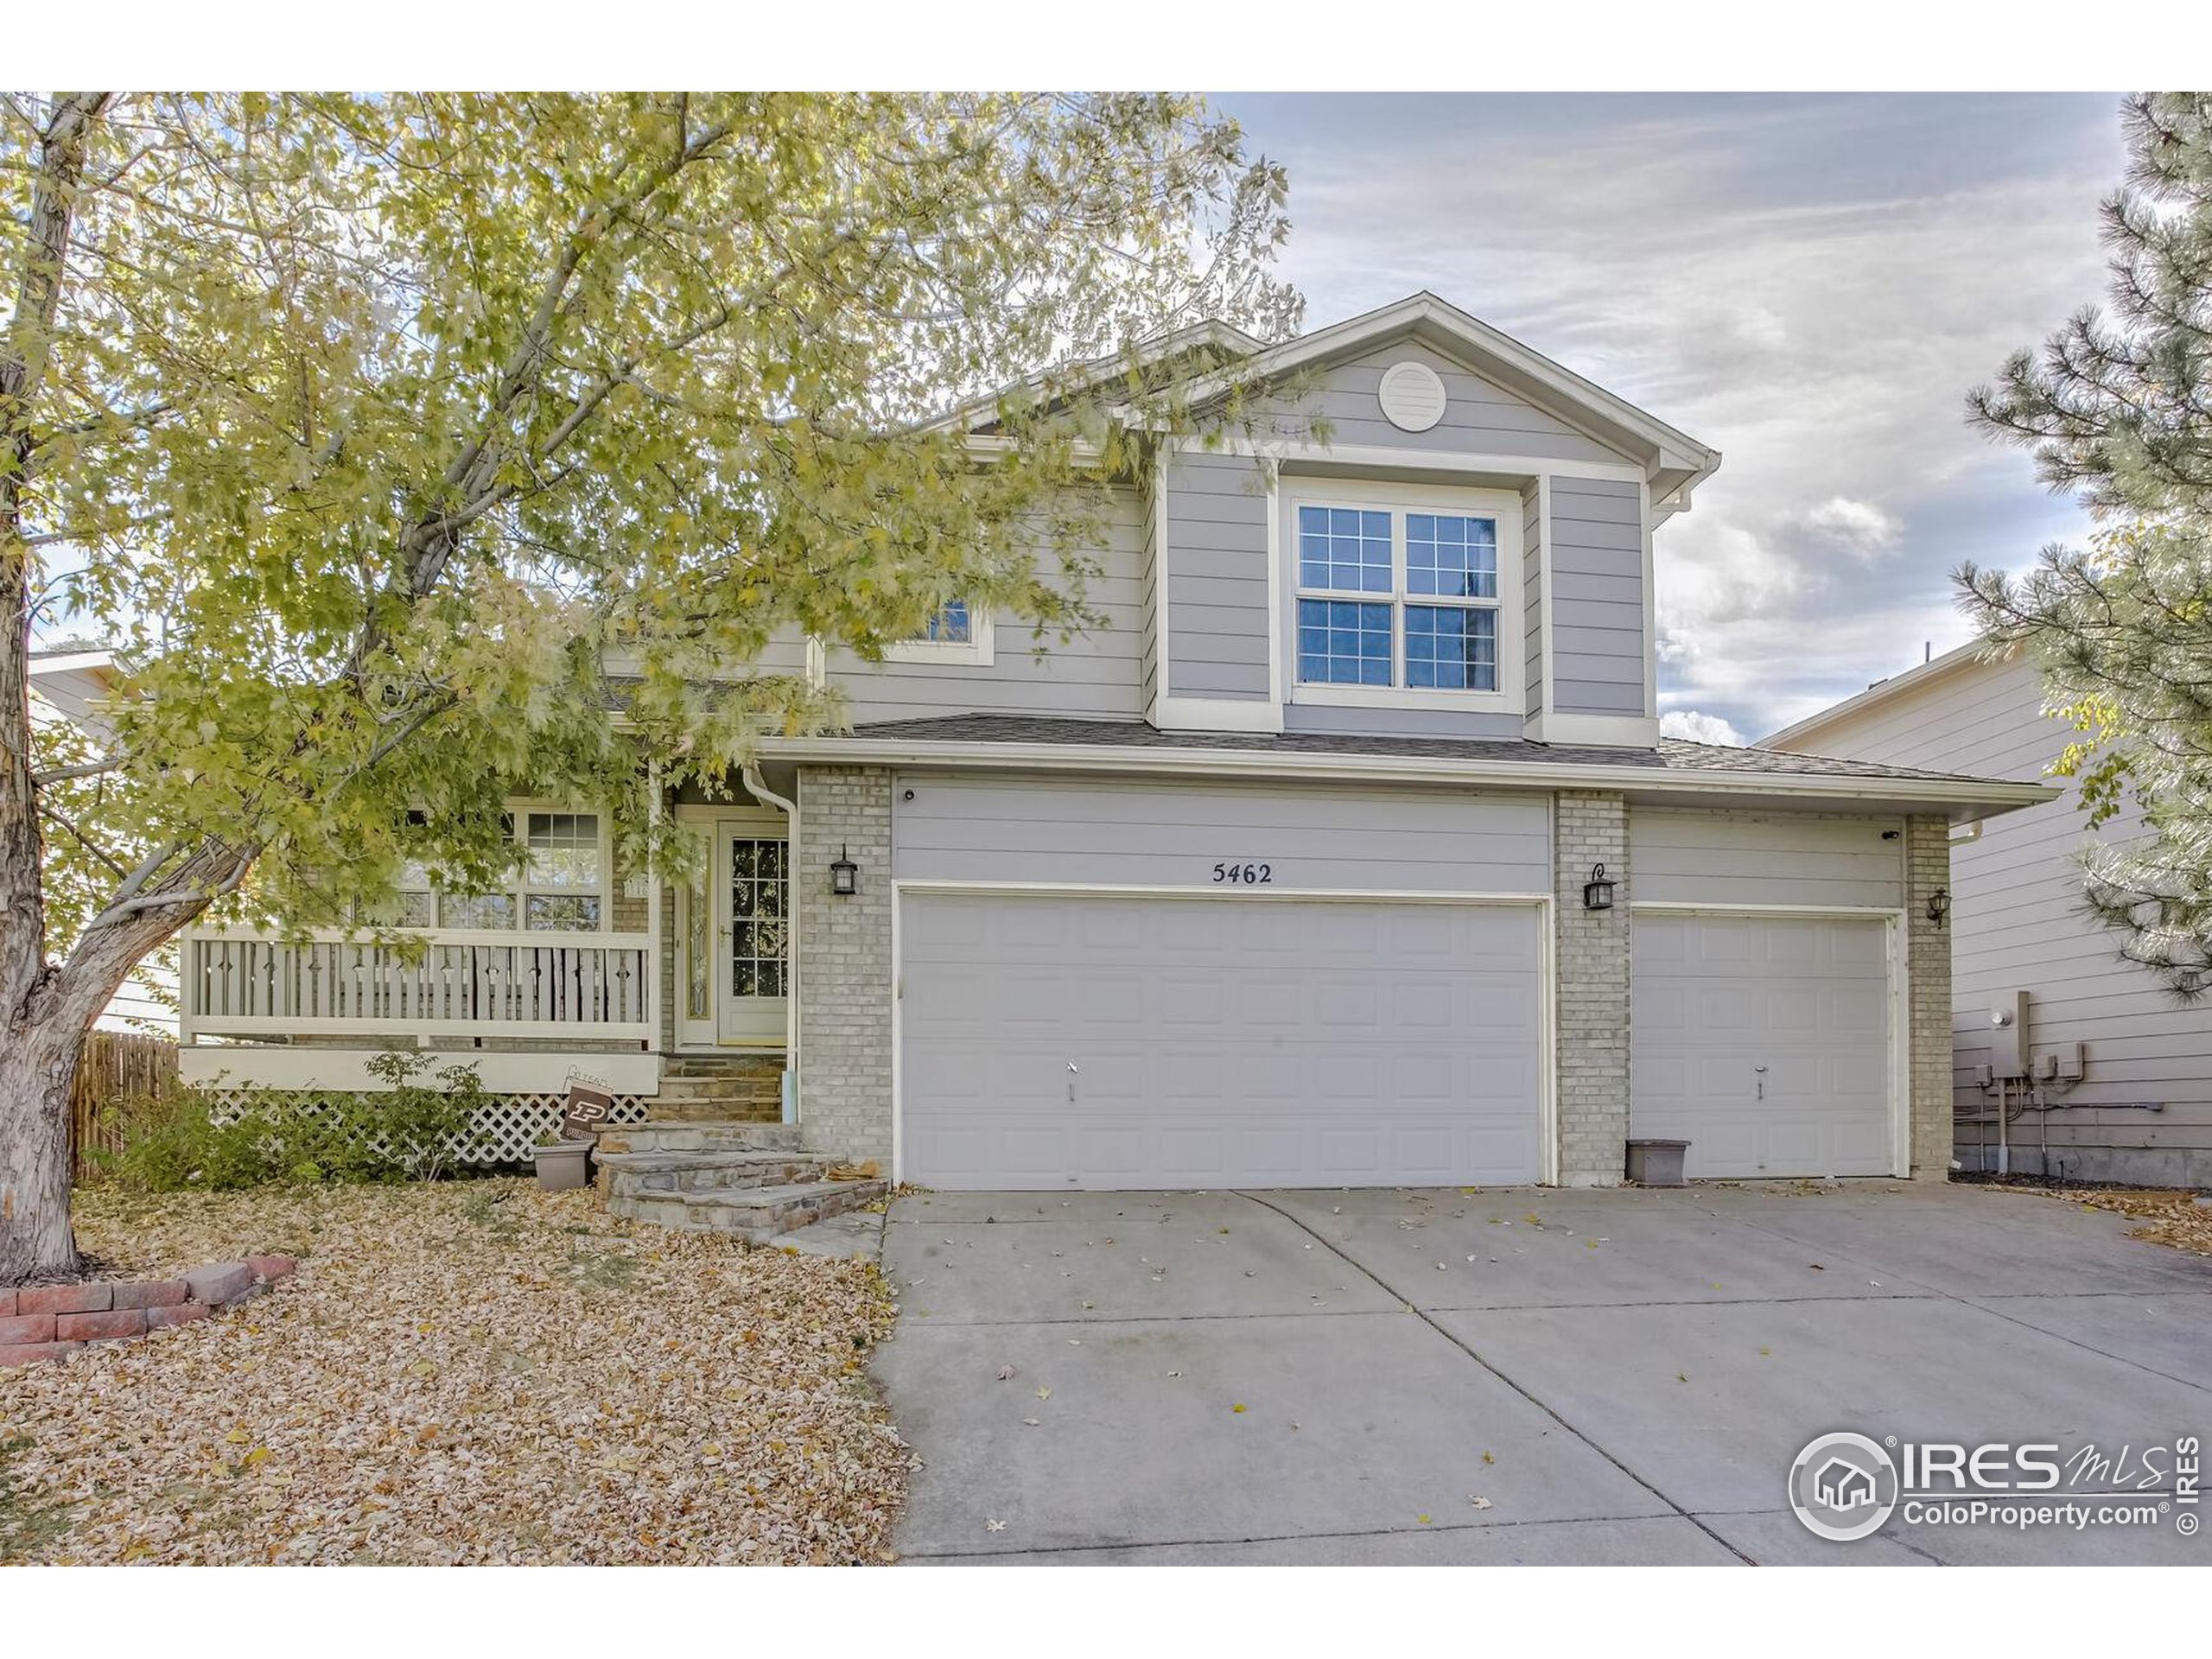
x=2117 y=409
x=396 y=441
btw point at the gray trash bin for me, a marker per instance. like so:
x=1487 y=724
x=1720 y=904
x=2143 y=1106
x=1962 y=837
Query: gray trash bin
x=1656 y=1163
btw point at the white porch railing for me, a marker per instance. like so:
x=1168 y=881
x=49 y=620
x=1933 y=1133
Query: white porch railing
x=241 y=983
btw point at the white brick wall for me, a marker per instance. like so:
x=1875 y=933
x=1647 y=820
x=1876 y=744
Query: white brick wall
x=844 y=947
x=1591 y=950
x=1928 y=969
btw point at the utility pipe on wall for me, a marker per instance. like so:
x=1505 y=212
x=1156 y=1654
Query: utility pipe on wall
x=750 y=775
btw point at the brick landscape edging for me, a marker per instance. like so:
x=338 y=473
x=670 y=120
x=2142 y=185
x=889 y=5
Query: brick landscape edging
x=48 y=1321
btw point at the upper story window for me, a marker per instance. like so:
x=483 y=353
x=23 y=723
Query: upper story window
x=1399 y=594
x=950 y=626
x=959 y=632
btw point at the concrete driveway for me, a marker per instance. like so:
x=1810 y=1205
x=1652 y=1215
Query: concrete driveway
x=1619 y=1376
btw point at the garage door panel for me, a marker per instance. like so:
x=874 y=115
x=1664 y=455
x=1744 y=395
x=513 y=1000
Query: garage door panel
x=1716 y=998
x=1281 y=1042
x=1858 y=945
x=1864 y=1009
x=1184 y=999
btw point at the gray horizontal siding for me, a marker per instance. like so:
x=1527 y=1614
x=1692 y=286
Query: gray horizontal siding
x=1600 y=656
x=1171 y=834
x=1217 y=550
x=1735 y=858
x=1480 y=418
x=1101 y=672
x=2016 y=923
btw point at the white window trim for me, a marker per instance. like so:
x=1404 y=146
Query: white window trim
x=1504 y=505
x=978 y=650
x=519 y=890
x=605 y=891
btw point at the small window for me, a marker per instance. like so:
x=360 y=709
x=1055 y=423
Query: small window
x=413 y=903
x=564 y=878
x=492 y=910
x=949 y=626
x=959 y=632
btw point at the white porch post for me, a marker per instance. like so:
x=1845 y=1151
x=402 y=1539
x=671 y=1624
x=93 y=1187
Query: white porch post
x=655 y=916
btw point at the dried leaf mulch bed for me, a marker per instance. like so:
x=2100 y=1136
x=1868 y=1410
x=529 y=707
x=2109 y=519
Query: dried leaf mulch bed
x=475 y=1371
x=2169 y=1217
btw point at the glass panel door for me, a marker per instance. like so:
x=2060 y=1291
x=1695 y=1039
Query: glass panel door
x=752 y=890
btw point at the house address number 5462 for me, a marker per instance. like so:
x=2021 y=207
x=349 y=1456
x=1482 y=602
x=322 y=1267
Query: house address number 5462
x=1243 y=874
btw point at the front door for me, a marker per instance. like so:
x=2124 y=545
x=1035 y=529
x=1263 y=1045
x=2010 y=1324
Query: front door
x=751 y=901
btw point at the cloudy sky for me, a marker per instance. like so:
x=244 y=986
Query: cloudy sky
x=1811 y=285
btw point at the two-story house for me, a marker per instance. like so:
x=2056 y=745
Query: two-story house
x=1346 y=852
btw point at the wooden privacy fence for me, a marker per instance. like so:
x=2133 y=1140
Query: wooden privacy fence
x=118 y=1066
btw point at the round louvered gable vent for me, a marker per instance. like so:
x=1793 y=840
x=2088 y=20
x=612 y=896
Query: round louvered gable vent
x=1411 y=396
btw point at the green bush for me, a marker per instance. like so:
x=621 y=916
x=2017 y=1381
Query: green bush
x=191 y=1142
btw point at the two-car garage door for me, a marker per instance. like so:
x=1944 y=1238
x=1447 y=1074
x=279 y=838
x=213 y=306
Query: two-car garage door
x=1070 y=1040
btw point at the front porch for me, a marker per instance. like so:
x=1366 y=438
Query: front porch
x=672 y=995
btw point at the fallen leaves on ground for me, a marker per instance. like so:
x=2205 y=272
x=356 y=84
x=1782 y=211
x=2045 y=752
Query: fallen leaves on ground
x=2169 y=1217
x=472 y=1372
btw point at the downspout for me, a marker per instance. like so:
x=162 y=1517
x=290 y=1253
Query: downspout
x=749 y=774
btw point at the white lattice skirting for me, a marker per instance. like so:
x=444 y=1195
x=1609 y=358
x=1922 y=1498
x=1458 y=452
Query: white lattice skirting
x=507 y=1131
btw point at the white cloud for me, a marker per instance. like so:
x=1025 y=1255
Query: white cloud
x=1692 y=726
x=1859 y=528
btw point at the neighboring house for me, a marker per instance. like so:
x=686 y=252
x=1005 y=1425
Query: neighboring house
x=70 y=684
x=1294 y=872
x=2119 y=1072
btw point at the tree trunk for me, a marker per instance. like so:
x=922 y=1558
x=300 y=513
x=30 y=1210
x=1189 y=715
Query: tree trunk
x=38 y=1069
x=41 y=1036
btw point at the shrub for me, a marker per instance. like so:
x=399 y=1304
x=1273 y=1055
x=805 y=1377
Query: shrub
x=192 y=1141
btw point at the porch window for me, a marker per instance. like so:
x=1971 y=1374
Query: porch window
x=558 y=883
x=565 y=871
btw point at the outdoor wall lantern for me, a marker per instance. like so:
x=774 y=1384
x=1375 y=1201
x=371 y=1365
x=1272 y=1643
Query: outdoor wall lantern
x=844 y=874
x=1598 y=891
x=1939 y=905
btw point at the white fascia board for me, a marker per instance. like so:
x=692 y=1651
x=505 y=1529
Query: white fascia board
x=1210 y=331
x=989 y=446
x=44 y=664
x=1670 y=447
x=1987 y=794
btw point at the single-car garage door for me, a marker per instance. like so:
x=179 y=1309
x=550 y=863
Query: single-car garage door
x=1763 y=1041
x=1051 y=1041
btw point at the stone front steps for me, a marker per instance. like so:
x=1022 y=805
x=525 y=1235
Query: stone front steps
x=720 y=1088
x=656 y=1135
x=754 y=1180
x=630 y=1174
x=757 y=1214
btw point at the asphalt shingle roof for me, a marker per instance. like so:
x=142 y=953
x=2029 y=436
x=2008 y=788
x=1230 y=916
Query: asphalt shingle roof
x=1672 y=755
